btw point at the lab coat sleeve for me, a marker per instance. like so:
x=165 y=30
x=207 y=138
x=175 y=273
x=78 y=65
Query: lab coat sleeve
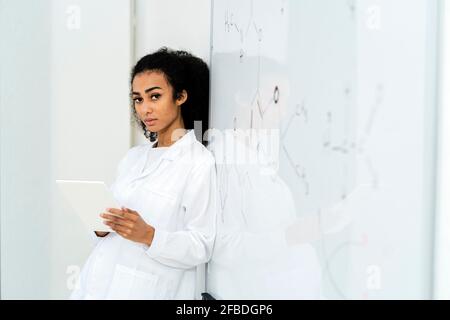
x=193 y=245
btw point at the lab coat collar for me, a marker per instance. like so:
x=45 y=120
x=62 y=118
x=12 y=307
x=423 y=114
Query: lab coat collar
x=170 y=154
x=174 y=150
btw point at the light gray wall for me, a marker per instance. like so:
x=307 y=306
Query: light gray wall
x=91 y=59
x=65 y=114
x=25 y=31
x=181 y=25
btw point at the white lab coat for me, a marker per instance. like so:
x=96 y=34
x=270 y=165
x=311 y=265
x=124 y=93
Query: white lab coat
x=177 y=196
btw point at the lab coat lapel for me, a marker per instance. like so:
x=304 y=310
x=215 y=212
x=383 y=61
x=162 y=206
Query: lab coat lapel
x=140 y=166
x=171 y=154
x=152 y=166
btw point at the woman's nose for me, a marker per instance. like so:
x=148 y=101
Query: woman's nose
x=147 y=107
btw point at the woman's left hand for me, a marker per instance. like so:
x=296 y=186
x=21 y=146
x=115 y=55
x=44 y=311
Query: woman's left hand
x=129 y=224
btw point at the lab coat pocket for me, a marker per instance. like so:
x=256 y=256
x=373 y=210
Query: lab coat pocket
x=128 y=283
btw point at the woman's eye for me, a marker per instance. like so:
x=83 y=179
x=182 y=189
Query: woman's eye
x=137 y=100
x=155 y=96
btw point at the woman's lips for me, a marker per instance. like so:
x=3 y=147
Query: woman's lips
x=150 y=122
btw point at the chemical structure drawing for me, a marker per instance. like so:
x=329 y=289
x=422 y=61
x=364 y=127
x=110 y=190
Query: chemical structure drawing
x=260 y=107
x=344 y=146
x=249 y=32
x=330 y=256
x=223 y=189
x=301 y=113
x=222 y=176
x=368 y=131
x=230 y=176
x=379 y=92
x=327 y=135
x=362 y=150
x=246 y=37
x=243 y=31
x=263 y=107
x=334 y=254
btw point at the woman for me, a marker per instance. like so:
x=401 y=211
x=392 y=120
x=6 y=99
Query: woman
x=166 y=225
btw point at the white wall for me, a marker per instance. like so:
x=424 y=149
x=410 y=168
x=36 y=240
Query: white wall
x=442 y=223
x=65 y=115
x=25 y=148
x=398 y=52
x=177 y=24
x=91 y=58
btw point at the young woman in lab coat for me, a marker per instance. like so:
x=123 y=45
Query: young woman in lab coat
x=166 y=225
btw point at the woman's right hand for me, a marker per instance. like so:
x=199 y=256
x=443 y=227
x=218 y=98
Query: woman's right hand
x=101 y=233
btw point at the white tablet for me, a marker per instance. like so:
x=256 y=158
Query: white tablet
x=88 y=199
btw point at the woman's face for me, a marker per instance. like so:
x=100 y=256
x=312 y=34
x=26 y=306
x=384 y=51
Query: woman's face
x=153 y=101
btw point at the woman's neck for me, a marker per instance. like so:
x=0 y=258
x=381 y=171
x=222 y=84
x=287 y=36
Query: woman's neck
x=171 y=134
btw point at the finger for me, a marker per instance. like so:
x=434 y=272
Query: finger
x=115 y=211
x=131 y=214
x=122 y=222
x=123 y=216
x=121 y=229
x=130 y=211
x=111 y=217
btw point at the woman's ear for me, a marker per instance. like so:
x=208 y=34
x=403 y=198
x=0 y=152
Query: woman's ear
x=182 y=97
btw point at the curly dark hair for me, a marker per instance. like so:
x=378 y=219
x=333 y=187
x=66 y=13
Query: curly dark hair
x=183 y=71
